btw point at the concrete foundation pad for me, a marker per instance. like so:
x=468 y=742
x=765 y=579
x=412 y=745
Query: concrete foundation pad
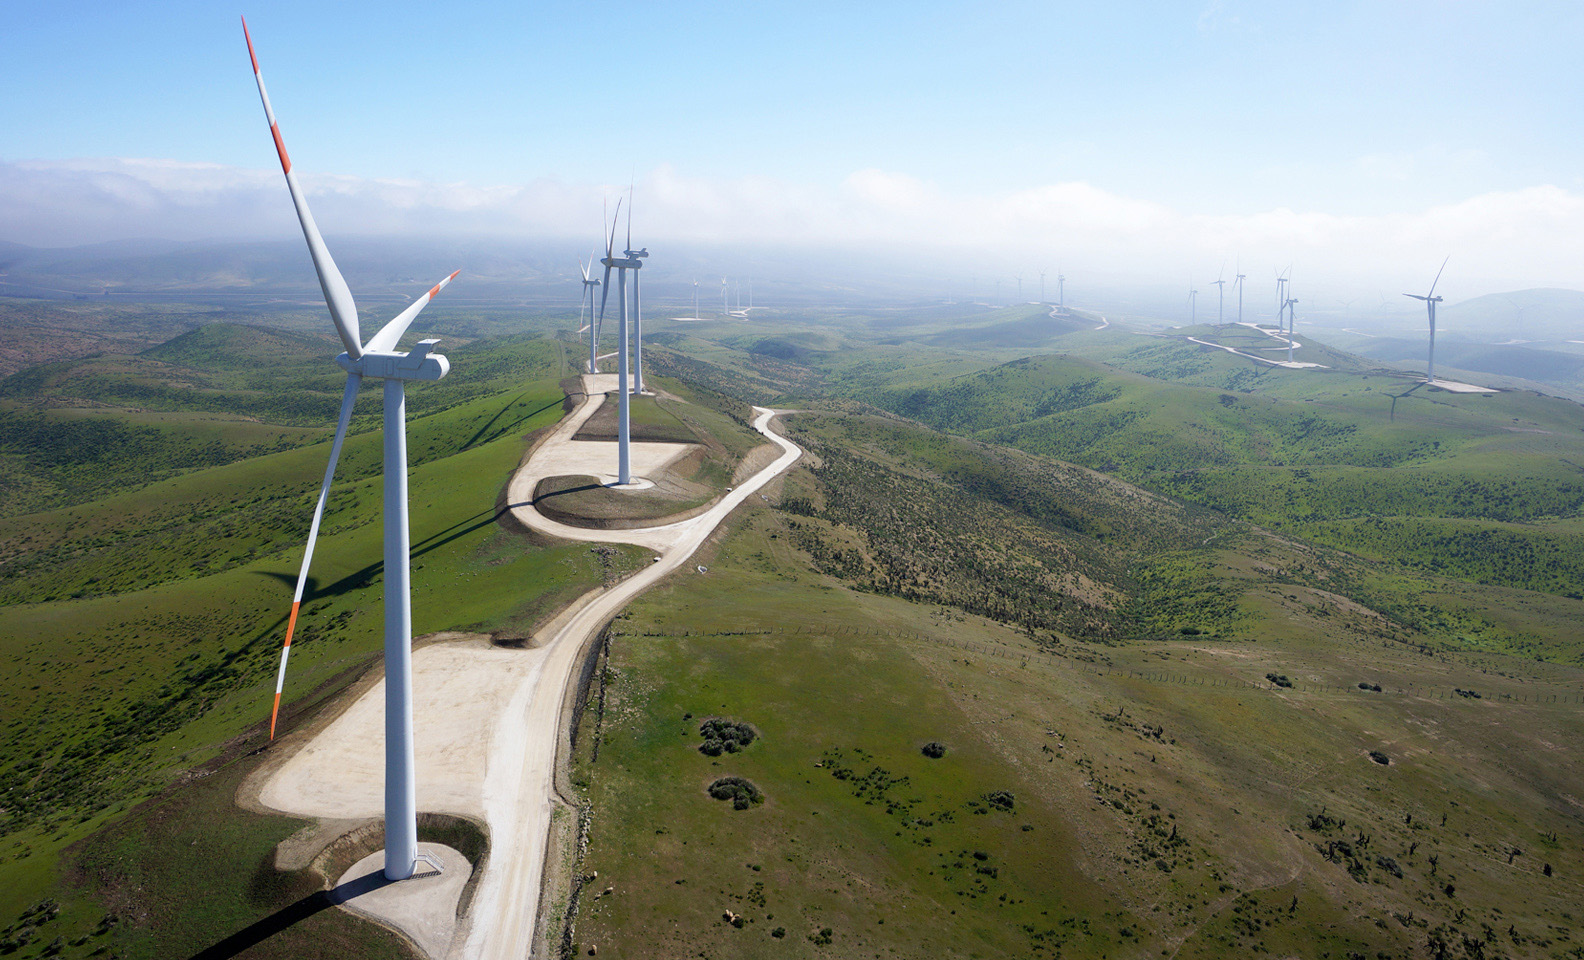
x=423 y=907
x=1452 y=386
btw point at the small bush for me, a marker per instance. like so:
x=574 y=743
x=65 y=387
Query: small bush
x=1001 y=799
x=823 y=938
x=1380 y=758
x=742 y=793
x=934 y=750
x=727 y=736
x=1374 y=687
x=1280 y=679
x=1390 y=866
x=778 y=932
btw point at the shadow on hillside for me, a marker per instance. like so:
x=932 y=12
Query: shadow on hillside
x=312 y=591
x=288 y=917
x=502 y=431
x=1398 y=396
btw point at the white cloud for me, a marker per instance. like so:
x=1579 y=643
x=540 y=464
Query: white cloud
x=1519 y=237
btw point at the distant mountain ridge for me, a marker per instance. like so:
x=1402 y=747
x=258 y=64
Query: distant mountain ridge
x=1544 y=313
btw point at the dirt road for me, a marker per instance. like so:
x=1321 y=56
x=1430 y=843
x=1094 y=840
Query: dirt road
x=490 y=724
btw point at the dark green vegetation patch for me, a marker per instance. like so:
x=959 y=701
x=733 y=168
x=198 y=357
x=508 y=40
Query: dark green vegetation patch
x=729 y=736
x=742 y=793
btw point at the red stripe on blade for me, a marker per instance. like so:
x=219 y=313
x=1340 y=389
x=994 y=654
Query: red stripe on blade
x=249 y=40
x=280 y=148
x=273 y=714
x=291 y=623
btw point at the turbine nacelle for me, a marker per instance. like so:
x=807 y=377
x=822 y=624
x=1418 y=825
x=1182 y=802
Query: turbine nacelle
x=418 y=364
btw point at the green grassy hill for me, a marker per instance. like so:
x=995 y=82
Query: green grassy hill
x=143 y=631
x=1358 y=461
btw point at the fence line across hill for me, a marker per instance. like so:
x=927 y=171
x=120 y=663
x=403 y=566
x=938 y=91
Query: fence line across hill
x=1027 y=657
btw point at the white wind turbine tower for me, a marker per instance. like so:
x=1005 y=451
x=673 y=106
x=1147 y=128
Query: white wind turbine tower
x=1430 y=300
x=725 y=299
x=695 y=300
x=1238 y=283
x=1292 y=321
x=1281 y=294
x=1220 y=285
x=377 y=358
x=1193 y=304
x=588 y=303
x=636 y=256
x=623 y=390
x=1061 y=290
x=1020 y=287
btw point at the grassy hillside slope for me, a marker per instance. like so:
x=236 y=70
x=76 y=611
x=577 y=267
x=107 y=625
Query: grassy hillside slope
x=143 y=632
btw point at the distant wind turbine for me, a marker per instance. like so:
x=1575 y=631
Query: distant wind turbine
x=1220 y=285
x=588 y=302
x=623 y=421
x=1430 y=300
x=1193 y=304
x=1239 y=284
x=1292 y=321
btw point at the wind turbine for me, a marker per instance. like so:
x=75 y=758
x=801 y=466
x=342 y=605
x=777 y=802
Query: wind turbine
x=695 y=300
x=1020 y=287
x=1430 y=300
x=1281 y=294
x=1061 y=290
x=1238 y=283
x=377 y=358
x=725 y=299
x=1193 y=304
x=1220 y=285
x=1292 y=321
x=588 y=301
x=623 y=429
x=636 y=257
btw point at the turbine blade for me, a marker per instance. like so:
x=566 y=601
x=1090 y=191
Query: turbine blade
x=1438 y=275
x=599 y=323
x=385 y=341
x=610 y=245
x=629 y=209
x=338 y=297
x=347 y=402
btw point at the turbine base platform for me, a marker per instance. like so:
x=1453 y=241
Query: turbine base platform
x=422 y=908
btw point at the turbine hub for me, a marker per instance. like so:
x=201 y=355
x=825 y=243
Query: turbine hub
x=419 y=364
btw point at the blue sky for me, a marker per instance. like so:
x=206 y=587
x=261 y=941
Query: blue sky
x=1187 y=111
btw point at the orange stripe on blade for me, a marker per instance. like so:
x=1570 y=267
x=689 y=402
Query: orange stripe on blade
x=249 y=39
x=280 y=148
x=273 y=714
x=291 y=623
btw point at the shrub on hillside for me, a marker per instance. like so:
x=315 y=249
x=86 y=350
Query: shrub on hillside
x=742 y=793
x=725 y=736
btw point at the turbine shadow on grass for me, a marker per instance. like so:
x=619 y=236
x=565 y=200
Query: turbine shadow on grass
x=363 y=577
x=288 y=917
x=312 y=591
x=1398 y=396
x=479 y=437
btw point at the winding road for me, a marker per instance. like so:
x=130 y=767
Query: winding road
x=490 y=719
